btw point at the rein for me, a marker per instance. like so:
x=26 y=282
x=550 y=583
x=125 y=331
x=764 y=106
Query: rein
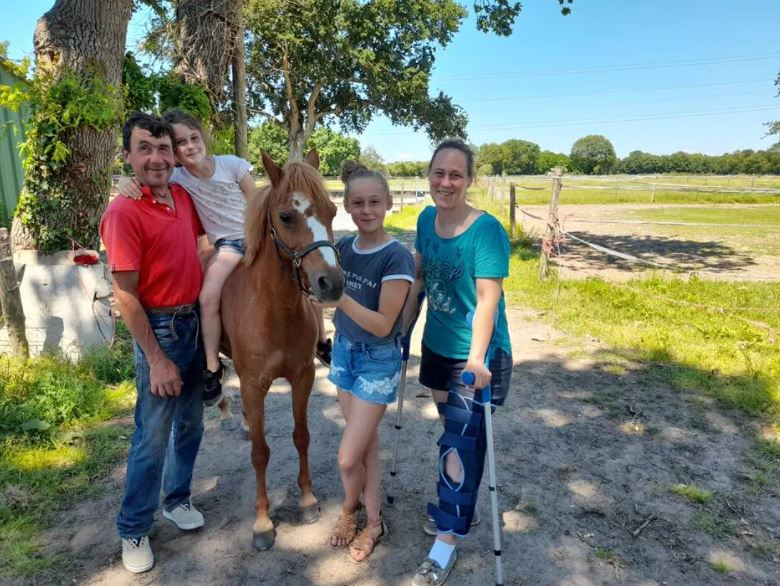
x=296 y=256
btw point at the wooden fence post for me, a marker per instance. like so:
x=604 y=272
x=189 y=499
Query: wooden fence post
x=402 y=195
x=10 y=300
x=512 y=200
x=552 y=225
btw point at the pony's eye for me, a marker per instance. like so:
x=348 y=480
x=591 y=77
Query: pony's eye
x=286 y=218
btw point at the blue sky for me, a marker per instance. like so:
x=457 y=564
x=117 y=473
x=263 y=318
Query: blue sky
x=654 y=75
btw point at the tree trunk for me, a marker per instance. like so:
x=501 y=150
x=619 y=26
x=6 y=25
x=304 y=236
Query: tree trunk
x=206 y=41
x=11 y=301
x=87 y=38
x=240 y=122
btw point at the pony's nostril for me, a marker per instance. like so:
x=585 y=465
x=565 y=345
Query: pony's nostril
x=323 y=284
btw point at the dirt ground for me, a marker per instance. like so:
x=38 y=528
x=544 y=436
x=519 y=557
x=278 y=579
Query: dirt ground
x=587 y=448
x=715 y=253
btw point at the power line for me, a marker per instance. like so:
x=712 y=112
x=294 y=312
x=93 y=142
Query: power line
x=612 y=68
x=620 y=91
x=660 y=116
x=635 y=103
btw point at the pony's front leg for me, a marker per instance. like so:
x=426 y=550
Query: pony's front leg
x=253 y=400
x=226 y=421
x=301 y=389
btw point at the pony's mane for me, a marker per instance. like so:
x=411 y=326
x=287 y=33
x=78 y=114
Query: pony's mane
x=296 y=176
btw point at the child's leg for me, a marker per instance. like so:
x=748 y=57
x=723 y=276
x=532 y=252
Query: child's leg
x=372 y=488
x=360 y=433
x=222 y=264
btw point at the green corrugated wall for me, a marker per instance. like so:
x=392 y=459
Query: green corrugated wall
x=11 y=135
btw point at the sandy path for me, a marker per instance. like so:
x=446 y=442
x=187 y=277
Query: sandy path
x=715 y=252
x=587 y=448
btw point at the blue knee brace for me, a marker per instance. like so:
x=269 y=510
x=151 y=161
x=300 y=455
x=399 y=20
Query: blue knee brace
x=464 y=434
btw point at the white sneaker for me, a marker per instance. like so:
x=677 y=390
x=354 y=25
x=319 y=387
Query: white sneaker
x=186 y=516
x=137 y=555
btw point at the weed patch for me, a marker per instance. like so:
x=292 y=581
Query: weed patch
x=54 y=443
x=693 y=493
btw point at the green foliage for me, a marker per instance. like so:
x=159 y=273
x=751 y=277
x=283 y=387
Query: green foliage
x=548 y=160
x=333 y=149
x=174 y=92
x=491 y=154
x=371 y=158
x=19 y=70
x=362 y=58
x=59 y=106
x=407 y=168
x=511 y=157
x=593 y=155
x=53 y=442
x=498 y=16
x=693 y=493
x=268 y=137
x=42 y=396
x=520 y=157
x=140 y=89
x=739 y=162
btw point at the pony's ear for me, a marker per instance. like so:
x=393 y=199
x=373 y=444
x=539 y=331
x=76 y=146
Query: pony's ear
x=313 y=158
x=274 y=171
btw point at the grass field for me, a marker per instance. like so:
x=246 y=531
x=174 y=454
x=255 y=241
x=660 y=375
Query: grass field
x=55 y=441
x=716 y=338
x=535 y=189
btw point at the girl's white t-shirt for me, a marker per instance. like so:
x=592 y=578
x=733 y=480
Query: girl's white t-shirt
x=219 y=200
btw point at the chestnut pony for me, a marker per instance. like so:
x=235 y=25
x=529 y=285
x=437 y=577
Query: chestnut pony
x=269 y=326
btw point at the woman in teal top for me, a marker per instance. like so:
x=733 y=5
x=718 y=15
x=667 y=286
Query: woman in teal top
x=462 y=257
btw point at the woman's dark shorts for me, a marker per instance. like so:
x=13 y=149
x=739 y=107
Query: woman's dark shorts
x=442 y=373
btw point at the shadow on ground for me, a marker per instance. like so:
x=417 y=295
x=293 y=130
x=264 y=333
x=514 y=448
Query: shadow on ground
x=686 y=255
x=588 y=447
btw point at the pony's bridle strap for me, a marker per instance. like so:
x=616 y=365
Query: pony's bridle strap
x=296 y=256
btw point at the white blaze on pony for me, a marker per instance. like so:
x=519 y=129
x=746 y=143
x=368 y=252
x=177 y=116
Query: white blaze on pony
x=318 y=229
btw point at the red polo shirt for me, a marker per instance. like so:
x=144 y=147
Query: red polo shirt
x=158 y=242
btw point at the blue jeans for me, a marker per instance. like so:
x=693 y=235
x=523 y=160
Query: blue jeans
x=168 y=430
x=370 y=372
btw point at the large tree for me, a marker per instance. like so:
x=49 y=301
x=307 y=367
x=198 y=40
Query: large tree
x=71 y=138
x=593 y=155
x=313 y=62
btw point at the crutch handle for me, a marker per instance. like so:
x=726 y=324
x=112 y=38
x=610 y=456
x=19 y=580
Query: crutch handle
x=480 y=395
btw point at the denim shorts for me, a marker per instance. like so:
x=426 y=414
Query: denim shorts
x=370 y=372
x=237 y=245
x=442 y=373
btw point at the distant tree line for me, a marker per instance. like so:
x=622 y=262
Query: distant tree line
x=594 y=155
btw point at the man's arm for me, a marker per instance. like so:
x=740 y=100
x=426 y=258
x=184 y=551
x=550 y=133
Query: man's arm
x=164 y=374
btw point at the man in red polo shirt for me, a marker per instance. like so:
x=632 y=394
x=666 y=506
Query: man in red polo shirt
x=153 y=256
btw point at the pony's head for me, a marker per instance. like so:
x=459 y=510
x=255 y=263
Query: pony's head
x=295 y=211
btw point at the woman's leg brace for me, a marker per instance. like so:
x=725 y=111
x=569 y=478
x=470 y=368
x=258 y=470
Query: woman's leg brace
x=464 y=435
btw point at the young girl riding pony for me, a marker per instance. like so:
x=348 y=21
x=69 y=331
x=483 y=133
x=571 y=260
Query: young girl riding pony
x=219 y=186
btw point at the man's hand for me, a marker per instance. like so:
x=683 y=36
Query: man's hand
x=165 y=377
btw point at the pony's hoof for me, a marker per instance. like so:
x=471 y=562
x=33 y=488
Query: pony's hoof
x=264 y=541
x=228 y=424
x=310 y=514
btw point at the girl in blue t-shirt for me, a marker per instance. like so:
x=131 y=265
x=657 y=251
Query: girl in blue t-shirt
x=462 y=257
x=366 y=360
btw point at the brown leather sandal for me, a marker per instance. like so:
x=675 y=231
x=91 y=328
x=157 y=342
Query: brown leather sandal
x=365 y=542
x=345 y=528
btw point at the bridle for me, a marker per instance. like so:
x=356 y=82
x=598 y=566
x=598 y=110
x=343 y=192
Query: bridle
x=296 y=256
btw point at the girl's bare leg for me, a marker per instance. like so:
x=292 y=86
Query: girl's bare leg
x=221 y=265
